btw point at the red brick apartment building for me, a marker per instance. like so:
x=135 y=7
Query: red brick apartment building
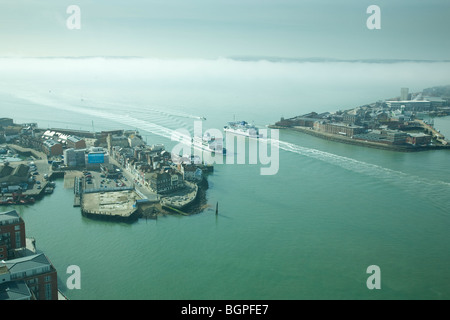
x=37 y=272
x=12 y=234
x=23 y=276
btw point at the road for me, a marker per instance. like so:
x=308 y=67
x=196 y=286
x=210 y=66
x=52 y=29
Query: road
x=152 y=196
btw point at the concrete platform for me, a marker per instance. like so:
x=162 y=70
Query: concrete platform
x=114 y=204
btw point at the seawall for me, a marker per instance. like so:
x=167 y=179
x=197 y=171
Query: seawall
x=342 y=139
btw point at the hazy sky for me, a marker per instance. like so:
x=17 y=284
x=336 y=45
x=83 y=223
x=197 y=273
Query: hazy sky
x=410 y=29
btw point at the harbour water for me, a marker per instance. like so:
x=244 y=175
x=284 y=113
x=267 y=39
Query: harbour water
x=308 y=232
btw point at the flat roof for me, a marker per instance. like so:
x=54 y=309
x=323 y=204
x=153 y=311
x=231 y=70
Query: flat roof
x=341 y=124
x=419 y=135
x=27 y=263
x=408 y=101
x=14 y=290
x=8 y=216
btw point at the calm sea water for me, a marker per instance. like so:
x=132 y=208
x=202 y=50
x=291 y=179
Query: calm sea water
x=308 y=232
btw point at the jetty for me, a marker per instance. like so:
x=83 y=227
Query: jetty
x=115 y=205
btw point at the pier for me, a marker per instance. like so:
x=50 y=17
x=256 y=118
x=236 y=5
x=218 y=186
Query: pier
x=370 y=144
x=117 y=205
x=434 y=133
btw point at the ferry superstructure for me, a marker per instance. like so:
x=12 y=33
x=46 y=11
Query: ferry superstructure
x=242 y=128
x=209 y=143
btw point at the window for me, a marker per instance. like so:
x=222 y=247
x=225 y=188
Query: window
x=48 y=291
x=18 y=242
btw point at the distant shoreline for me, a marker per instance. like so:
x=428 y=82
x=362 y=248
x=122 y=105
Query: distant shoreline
x=342 y=139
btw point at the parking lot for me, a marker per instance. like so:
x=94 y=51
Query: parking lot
x=97 y=180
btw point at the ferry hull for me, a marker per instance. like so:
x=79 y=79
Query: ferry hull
x=244 y=134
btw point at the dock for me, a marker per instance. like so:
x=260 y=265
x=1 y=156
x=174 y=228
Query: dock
x=77 y=190
x=181 y=200
x=115 y=205
x=434 y=133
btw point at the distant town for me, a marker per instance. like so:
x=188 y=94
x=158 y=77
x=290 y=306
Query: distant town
x=394 y=124
x=117 y=161
x=115 y=175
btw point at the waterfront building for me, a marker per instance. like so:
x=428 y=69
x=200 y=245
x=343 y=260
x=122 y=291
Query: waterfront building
x=157 y=147
x=298 y=121
x=74 y=158
x=36 y=271
x=135 y=141
x=11 y=133
x=10 y=176
x=191 y=172
x=117 y=141
x=75 y=142
x=24 y=275
x=165 y=181
x=348 y=118
x=52 y=148
x=418 y=139
x=65 y=139
x=392 y=137
x=95 y=157
x=12 y=234
x=14 y=290
x=410 y=105
x=436 y=102
x=348 y=130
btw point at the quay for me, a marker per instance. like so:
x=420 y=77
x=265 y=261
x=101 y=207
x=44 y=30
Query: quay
x=115 y=205
x=434 y=133
x=357 y=142
x=113 y=174
x=393 y=124
x=181 y=201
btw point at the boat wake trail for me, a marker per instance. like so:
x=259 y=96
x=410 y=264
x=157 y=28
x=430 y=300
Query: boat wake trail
x=434 y=189
x=149 y=109
x=430 y=189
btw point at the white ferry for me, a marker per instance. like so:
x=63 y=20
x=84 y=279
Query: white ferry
x=243 y=128
x=209 y=143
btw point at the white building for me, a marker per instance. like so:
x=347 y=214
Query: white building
x=410 y=105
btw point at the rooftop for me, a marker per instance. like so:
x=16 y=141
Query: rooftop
x=407 y=101
x=418 y=135
x=74 y=139
x=27 y=263
x=50 y=143
x=14 y=290
x=9 y=217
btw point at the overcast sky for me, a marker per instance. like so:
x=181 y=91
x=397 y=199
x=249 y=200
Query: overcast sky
x=410 y=29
